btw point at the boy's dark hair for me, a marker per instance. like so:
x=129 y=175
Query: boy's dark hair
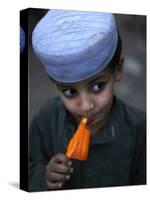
x=115 y=59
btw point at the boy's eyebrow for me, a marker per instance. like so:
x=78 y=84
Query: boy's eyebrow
x=96 y=79
x=62 y=85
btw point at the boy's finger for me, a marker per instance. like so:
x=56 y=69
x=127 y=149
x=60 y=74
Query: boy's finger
x=56 y=177
x=61 y=168
x=53 y=186
x=61 y=158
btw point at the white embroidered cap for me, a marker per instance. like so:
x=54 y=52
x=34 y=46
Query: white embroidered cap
x=75 y=45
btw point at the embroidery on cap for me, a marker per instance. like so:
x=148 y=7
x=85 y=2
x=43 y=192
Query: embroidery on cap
x=96 y=38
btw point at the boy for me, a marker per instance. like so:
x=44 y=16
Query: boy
x=81 y=53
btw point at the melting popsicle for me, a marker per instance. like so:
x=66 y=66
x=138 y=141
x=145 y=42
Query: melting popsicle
x=78 y=146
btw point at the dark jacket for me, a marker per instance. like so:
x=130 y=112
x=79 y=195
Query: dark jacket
x=117 y=154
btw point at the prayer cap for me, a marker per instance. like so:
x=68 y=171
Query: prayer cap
x=75 y=45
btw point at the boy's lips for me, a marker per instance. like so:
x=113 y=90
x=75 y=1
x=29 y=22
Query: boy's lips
x=91 y=119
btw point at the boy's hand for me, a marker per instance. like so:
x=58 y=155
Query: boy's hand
x=58 y=171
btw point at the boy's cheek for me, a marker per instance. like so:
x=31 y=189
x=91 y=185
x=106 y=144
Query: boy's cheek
x=70 y=106
x=104 y=101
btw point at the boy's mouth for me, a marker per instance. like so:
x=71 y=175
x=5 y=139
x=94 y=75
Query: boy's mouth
x=91 y=119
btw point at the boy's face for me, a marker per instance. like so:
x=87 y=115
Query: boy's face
x=91 y=98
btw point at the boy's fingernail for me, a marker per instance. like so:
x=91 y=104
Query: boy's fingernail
x=71 y=170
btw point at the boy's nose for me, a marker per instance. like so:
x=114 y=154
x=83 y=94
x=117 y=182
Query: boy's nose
x=86 y=104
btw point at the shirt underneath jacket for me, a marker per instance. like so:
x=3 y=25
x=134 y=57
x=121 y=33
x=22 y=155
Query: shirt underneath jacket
x=117 y=153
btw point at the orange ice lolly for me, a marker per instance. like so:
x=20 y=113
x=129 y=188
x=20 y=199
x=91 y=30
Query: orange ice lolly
x=78 y=146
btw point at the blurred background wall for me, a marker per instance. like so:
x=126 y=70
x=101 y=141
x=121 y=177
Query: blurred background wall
x=131 y=89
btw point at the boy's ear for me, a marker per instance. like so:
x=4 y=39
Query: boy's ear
x=119 y=70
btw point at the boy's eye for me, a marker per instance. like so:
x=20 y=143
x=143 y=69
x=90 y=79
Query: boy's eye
x=69 y=92
x=98 y=87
